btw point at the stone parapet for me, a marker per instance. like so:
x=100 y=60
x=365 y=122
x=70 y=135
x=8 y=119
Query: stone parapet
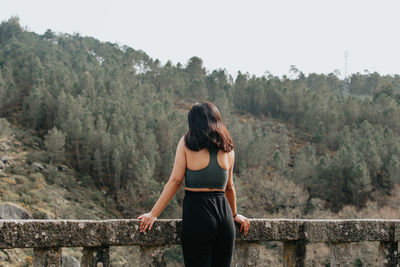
x=96 y=236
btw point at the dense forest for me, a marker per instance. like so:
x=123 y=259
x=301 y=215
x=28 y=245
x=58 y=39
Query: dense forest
x=116 y=115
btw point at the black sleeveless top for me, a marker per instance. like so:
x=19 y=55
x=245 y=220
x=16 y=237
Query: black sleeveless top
x=212 y=176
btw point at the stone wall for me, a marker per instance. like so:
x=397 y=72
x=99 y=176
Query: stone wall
x=47 y=237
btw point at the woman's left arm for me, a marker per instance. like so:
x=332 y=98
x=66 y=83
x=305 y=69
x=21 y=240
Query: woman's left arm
x=170 y=189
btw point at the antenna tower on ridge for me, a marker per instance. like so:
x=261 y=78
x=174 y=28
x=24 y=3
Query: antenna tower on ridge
x=346 y=87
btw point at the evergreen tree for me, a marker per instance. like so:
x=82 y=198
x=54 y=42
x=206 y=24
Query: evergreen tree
x=55 y=144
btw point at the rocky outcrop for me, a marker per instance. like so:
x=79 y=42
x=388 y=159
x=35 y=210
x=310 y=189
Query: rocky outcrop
x=38 y=166
x=69 y=261
x=5 y=161
x=13 y=211
x=4 y=146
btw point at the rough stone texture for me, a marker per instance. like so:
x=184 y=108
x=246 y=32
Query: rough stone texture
x=246 y=254
x=85 y=233
x=294 y=253
x=387 y=254
x=396 y=231
x=96 y=256
x=69 y=261
x=152 y=256
x=339 y=254
x=47 y=257
x=125 y=232
x=353 y=230
x=13 y=211
x=272 y=229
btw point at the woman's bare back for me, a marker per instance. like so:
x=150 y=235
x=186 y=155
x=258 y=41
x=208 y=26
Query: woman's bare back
x=197 y=160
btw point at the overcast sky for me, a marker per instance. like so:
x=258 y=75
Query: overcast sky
x=250 y=36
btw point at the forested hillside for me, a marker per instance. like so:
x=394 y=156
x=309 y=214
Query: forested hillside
x=115 y=115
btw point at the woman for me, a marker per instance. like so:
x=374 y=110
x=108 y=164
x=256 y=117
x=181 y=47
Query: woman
x=205 y=157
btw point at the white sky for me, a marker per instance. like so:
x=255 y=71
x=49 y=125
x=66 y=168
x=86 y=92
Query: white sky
x=250 y=36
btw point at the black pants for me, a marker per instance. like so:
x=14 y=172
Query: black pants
x=208 y=230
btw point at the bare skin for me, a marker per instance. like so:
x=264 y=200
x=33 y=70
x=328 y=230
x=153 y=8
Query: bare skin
x=194 y=160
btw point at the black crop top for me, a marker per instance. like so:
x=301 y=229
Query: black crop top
x=212 y=176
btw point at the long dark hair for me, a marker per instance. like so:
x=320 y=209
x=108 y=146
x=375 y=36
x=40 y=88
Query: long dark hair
x=206 y=129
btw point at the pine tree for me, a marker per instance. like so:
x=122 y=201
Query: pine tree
x=55 y=144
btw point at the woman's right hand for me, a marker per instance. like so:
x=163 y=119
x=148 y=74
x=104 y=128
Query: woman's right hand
x=146 y=221
x=244 y=223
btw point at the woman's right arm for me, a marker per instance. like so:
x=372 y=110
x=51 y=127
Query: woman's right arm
x=172 y=186
x=230 y=194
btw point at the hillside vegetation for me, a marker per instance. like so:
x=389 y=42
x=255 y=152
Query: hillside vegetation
x=48 y=191
x=103 y=120
x=119 y=111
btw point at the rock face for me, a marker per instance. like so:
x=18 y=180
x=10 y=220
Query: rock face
x=13 y=211
x=38 y=166
x=5 y=159
x=4 y=146
x=69 y=261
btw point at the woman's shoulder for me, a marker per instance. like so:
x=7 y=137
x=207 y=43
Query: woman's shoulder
x=181 y=144
x=231 y=154
x=182 y=141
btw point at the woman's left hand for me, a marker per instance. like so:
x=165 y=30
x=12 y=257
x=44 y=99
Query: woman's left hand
x=244 y=223
x=146 y=221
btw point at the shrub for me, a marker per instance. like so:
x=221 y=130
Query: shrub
x=87 y=180
x=39 y=156
x=37 y=214
x=26 y=199
x=17 y=169
x=357 y=263
x=37 y=140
